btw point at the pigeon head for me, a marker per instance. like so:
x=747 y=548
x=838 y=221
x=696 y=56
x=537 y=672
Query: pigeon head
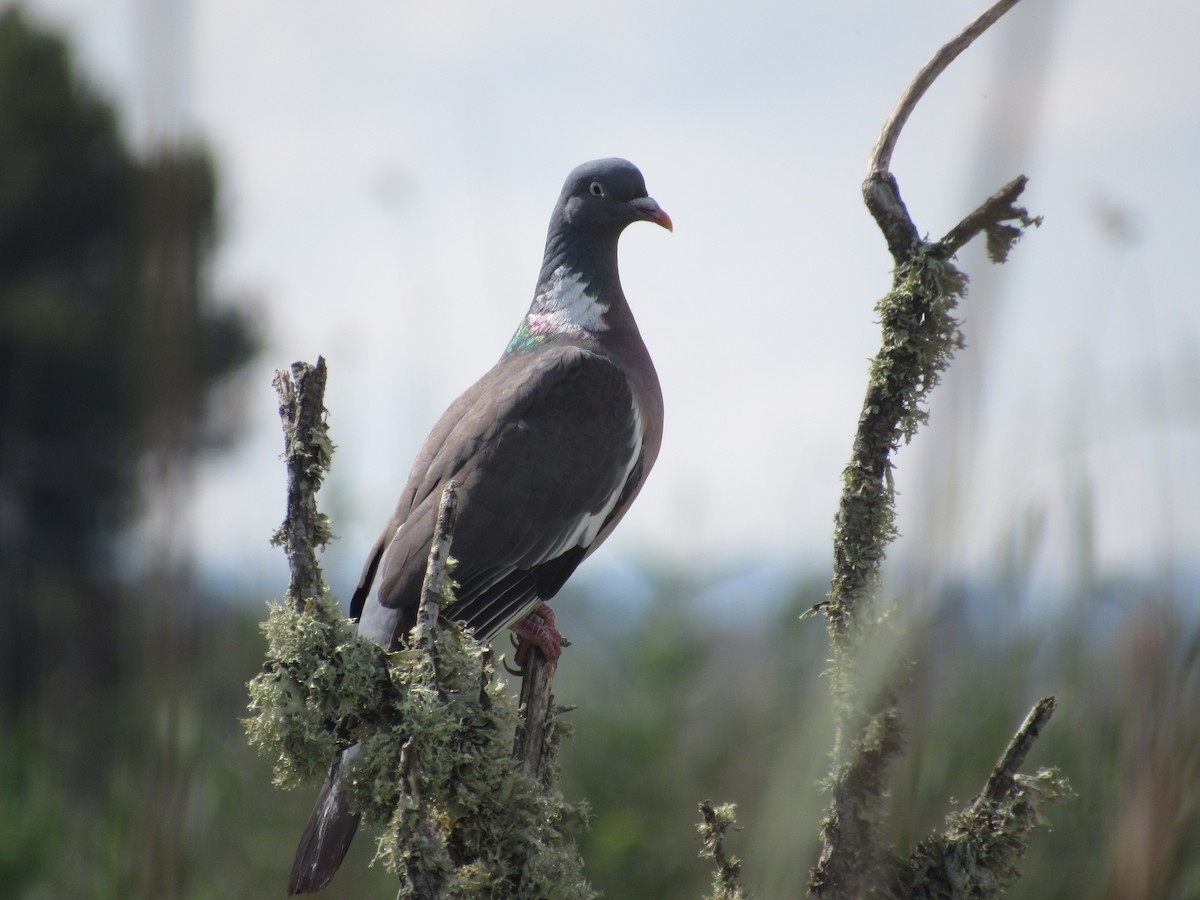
x=579 y=288
x=601 y=197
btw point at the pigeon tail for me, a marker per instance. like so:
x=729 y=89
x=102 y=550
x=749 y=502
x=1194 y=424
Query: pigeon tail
x=328 y=834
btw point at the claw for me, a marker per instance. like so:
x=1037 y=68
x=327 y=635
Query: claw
x=537 y=630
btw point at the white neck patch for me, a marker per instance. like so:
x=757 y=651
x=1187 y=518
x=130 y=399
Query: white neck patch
x=565 y=305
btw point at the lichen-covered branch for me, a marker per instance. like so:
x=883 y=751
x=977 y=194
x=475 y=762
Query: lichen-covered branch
x=1004 y=774
x=715 y=822
x=308 y=453
x=319 y=682
x=919 y=337
x=438 y=587
x=427 y=863
x=980 y=852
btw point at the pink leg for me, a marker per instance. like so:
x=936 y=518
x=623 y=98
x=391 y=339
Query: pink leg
x=537 y=630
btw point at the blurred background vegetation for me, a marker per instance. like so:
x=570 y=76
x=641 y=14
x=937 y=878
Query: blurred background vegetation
x=123 y=767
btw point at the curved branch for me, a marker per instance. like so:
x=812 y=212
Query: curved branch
x=881 y=155
x=880 y=190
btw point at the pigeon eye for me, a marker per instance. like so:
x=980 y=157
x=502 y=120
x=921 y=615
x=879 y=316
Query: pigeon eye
x=596 y=188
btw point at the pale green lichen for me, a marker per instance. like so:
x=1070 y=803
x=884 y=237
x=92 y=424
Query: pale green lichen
x=436 y=771
x=1001 y=237
x=919 y=336
x=475 y=825
x=318 y=678
x=979 y=854
x=715 y=822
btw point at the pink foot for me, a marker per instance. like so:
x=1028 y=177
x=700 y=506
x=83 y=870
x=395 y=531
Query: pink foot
x=537 y=630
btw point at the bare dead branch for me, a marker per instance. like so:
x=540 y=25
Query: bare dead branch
x=537 y=712
x=992 y=217
x=881 y=155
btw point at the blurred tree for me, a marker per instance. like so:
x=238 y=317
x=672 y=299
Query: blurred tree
x=110 y=342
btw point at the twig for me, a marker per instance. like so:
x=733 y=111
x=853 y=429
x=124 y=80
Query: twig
x=307 y=453
x=881 y=155
x=423 y=885
x=1003 y=778
x=880 y=190
x=979 y=854
x=421 y=880
x=437 y=581
x=992 y=216
x=717 y=820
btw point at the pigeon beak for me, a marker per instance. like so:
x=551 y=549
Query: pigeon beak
x=646 y=208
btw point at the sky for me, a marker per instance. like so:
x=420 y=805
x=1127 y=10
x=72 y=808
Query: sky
x=388 y=170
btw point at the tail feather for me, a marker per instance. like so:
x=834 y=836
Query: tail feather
x=328 y=834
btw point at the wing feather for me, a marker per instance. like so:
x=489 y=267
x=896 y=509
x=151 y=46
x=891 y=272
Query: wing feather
x=544 y=446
